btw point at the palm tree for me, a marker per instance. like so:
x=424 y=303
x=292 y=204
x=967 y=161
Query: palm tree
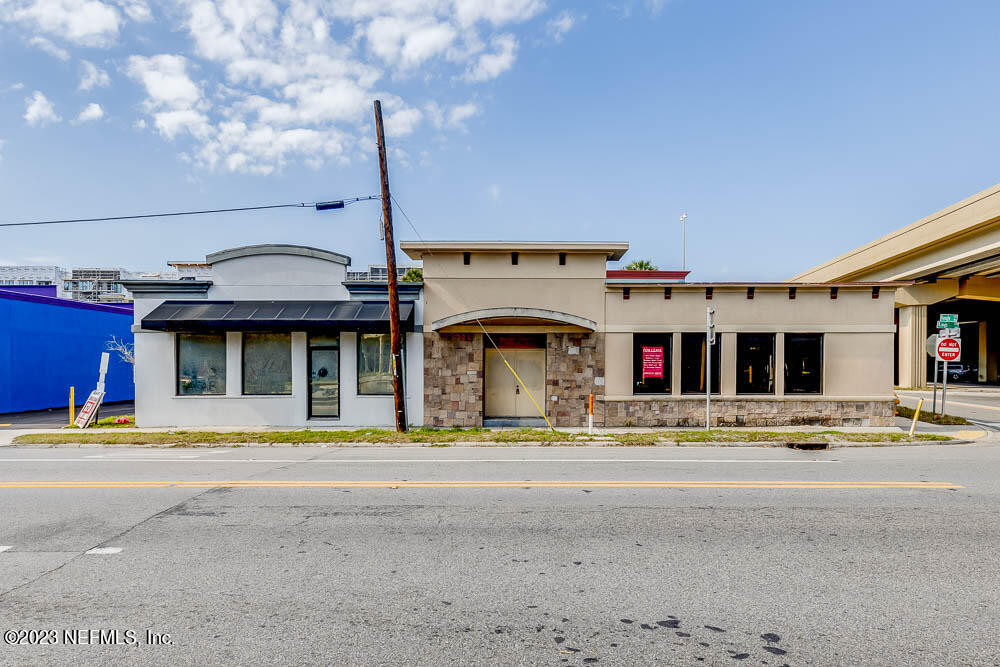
x=641 y=265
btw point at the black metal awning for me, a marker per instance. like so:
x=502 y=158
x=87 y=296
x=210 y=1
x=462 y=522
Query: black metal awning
x=274 y=315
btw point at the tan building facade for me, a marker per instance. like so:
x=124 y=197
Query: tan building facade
x=952 y=258
x=512 y=330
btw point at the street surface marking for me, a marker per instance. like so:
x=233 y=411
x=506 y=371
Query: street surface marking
x=111 y=459
x=483 y=484
x=103 y=551
x=969 y=435
x=6 y=424
x=2 y=549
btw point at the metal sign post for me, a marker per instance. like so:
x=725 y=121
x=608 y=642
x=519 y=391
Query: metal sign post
x=709 y=342
x=948 y=350
x=934 y=404
x=944 y=388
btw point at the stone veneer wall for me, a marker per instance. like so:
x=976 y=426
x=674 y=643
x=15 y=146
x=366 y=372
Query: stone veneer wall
x=749 y=412
x=573 y=364
x=453 y=379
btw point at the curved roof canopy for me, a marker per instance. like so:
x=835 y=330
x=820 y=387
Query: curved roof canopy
x=277 y=249
x=515 y=315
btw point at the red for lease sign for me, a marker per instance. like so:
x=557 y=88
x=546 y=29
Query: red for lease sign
x=949 y=349
x=652 y=362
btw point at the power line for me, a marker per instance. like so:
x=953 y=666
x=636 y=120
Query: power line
x=319 y=206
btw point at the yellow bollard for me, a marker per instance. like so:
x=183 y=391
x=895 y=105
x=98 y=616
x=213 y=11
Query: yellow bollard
x=72 y=406
x=916 y=415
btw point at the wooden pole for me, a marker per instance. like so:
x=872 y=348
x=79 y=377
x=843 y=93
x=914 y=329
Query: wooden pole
x=395 y=340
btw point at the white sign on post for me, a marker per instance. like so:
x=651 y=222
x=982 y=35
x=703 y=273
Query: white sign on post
x=89 y=410
x=949 y=349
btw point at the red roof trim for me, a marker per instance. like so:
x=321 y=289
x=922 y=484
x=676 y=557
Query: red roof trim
x=651 y=275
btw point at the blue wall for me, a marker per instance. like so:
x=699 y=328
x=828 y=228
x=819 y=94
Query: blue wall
x=48 y=345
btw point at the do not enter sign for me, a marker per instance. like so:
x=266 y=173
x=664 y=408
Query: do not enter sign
x=949 y=349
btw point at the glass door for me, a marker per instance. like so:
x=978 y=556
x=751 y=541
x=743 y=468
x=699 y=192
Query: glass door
x=324 y=381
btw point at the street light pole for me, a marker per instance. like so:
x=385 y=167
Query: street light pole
x=684 y=217
x=390 y=261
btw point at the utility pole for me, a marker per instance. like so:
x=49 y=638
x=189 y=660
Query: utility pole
x=390 y=262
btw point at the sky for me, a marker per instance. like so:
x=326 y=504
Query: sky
x=789 y=132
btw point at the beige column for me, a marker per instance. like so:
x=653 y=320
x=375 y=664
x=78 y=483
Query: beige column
x=675 y=365
x=727 y=374
x=779 y=364
x=912 y=352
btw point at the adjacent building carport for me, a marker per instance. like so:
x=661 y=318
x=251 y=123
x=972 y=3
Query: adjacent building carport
x=953 y=259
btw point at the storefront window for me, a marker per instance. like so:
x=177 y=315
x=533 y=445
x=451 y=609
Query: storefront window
x=374 y=364
x=201 y=364
x=694 y=362
x=651 y=363
x=803 y=363
x=267 y=364
x=754 y=363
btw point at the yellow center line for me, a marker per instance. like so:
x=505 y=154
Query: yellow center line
x=482 y=484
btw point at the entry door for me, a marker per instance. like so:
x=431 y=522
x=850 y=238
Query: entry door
x=324 y=382
x=530 y=367
x=504 y=395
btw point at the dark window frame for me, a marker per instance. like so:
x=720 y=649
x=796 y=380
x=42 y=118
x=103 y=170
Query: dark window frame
x=243 y=363
x=739 y=366
x=177 y=362
x=821 y=369
x=716 y=364
x=340 y=357
x=668 y=363
x=357 y=360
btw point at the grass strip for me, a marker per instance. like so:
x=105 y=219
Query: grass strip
x=926 y=416
x=432 y=436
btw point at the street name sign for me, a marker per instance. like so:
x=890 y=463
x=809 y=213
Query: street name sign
x=947 y=320
x=949 y=349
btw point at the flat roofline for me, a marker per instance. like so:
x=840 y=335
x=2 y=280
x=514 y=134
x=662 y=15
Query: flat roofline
x=847 y=284
x=613 y=250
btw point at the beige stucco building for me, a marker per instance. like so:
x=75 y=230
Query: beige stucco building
x=952 y=258
x=512 y=329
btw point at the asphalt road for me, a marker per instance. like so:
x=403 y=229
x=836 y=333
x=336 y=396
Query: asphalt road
x=576 y=556
x=977 y=404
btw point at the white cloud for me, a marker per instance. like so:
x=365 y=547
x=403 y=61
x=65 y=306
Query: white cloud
x=137 y=10
x=491 y=65
x=48 y=47
x=656 y=6
x=495 y=192
x=17 y=86
x=2 y=142
x=497 y=12
x=558 y=26
x=460 y=113
x=83 y=22
x=92 y=111
x=166 y=81
x=262 y=83
x=39 y=111
x=93 y=76
x=403 y=122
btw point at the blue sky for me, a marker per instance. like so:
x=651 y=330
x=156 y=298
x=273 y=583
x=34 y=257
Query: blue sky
x=788 y=131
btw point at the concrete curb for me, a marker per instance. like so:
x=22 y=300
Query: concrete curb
x=478 y=444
